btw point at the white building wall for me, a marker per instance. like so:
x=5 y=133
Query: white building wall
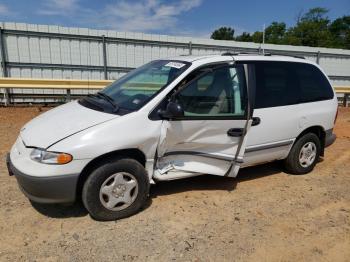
x=77 y=57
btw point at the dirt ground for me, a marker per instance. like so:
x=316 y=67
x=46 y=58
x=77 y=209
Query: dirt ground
x=262 y=215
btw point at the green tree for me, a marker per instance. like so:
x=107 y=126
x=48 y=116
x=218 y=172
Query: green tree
x=291 y=39
x=223 y=33
x=244 y=37
x=315 y=14
x=257 y=37
x=340 y=30
x=311 y=30
x=275 y=33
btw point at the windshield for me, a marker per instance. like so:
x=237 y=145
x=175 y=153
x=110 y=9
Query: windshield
x=136 y=88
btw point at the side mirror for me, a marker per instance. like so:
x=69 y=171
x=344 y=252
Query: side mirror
x=172 y=111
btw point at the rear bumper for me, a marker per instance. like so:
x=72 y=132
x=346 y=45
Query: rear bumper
x=49 y=189
x=330 y=138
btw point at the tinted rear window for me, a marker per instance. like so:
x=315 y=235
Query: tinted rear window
x=313 y=85
x=286 y=83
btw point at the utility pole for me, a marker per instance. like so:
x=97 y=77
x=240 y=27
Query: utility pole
x=263 y=40
x=4 y=66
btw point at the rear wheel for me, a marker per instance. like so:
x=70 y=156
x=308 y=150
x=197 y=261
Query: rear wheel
x=304 y=154
x=116 y=189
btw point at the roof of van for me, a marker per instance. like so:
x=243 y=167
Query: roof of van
x=239 y=57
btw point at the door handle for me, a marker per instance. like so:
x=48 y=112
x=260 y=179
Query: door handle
x=235 y=132
x=256 y=121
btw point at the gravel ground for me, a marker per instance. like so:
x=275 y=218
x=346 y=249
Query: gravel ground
x=262 y=215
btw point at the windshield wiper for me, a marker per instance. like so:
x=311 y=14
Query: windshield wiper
x=110 y=100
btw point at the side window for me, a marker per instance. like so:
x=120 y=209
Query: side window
x=313 y=85
x=205 y=82
x=286 y=83
x=218 y=93
x=275 y=85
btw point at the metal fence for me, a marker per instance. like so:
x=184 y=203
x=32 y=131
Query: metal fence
x=54 y=52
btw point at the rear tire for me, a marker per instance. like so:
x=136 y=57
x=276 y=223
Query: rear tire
x=118 y=188
x=304 y=155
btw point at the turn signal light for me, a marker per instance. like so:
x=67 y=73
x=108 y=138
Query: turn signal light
x=63 y=158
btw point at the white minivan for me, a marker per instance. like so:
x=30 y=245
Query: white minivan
x=171 y=119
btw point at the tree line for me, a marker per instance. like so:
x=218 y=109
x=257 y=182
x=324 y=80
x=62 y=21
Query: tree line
x=312 y=28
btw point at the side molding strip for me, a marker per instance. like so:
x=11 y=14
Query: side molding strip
x=230 y=158
x=268 y=146
x=194 y=153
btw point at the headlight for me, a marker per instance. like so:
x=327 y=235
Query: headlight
x=46 y=157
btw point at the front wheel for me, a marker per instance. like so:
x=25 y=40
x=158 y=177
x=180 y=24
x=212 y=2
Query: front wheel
x=116 y=189
x=304 y=154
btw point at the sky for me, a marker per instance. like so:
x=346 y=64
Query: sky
x=196 y=18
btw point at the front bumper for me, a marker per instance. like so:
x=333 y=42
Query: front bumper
x=48 y=189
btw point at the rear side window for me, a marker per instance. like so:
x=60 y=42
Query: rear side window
x=275 y=85
x=286 y=83
x=313 y=85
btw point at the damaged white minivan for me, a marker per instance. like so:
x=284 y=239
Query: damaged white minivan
x=172 y=119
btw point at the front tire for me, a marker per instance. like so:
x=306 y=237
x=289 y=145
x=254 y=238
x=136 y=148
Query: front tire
x=118 y=188
x=304 y=155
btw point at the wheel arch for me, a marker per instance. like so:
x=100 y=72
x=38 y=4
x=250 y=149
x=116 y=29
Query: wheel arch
x=133 y=153
x=317 y=130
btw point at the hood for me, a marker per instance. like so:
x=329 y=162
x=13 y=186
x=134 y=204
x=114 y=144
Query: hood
x=61 y=122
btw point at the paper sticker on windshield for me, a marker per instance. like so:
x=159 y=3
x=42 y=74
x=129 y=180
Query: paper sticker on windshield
x=176 y=65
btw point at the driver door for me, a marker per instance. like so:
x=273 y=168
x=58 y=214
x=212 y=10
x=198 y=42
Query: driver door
x=210 y=137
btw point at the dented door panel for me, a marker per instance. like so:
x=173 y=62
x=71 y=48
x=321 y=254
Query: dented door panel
x=210 y=137
x=201 y=146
